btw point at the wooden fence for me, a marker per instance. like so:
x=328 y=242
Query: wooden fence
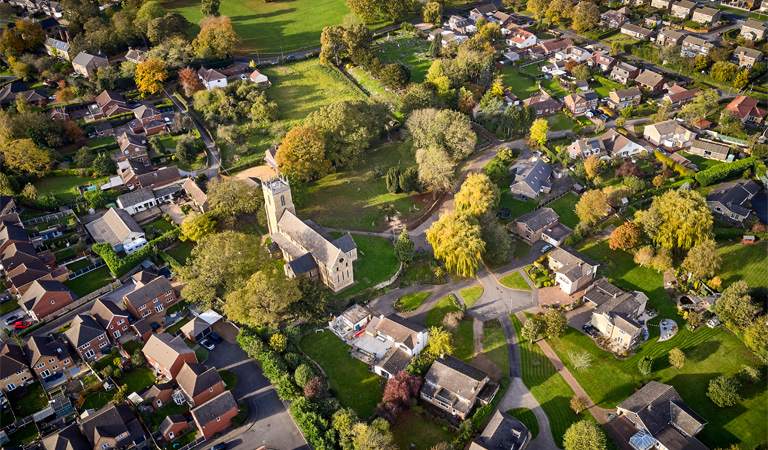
x=108 y=288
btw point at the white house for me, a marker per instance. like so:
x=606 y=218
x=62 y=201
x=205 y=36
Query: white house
x=405 y=340
x=260 y=79
x=212 y=78
x=520 y=38
x=573 y=271
x=136 y=201
x=118 y=229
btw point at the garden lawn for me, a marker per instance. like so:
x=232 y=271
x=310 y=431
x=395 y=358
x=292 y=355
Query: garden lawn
x=495 y=346
x=356 y=386
x=440 y=310
x=522 y=249
x=559 y=122
x=515 y=281
x=463 y=346
x=701 y=162
x=363 y=193
x=411 y=302
x=420 y=270
x=412 y=53
x=10 y=305
x=182 y=251
x=137 y=379
x=163 y=225
x=169 y=409
x=201 y=353
x=65 y=188
x=23 y=435
x=177 y=326
x=377 y=262
x=521 y=85
x=748 y=262
x=470 y=295
x=528 y=418
x=516 y=207
x=91 y=281
x=564 y=207
x=34 y=401
x=77 y=265
x=132 y=346
x=415 y=432
x=229 y=378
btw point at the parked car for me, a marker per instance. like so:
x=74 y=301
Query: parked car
x=546 y=248
x=222 y=446
x=20 y=325
x=713 y=322
x=589 y=330
x=207 y=344
x=215 y=338
x=589 y=114
x=13 y=319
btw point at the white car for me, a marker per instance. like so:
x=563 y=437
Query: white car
x=207 y=344
x=243 y=77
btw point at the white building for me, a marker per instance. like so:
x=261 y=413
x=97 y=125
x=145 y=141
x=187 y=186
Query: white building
x=212 y=78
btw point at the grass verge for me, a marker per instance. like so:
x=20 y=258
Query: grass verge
x=471 y=295
x=515 y=281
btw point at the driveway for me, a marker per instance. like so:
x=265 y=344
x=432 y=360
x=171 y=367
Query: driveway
x=116 y=296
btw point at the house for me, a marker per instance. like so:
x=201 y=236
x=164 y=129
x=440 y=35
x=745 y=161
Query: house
x=111 y=317
x=148 y=120
x=199 y=384
x=405 y=338
x=503 y=19
x=57 y=48
x=623 y=72
x=753 y=30
x=137 y=200
x=114 y=426
x=612 y=19
x=661 y=418
x=669 y=36
x=458 y=24
x=260 y=79
x=212 y=78
x=503 y=432
x=548 y=48
x=668 y=134
x=216 y=414
x=678 y=96
x=104 y=129
x=354 y=318
x=132 y=146
x=661 y=4
x=69 y=438
x=746 y=57
x=541 y=224
x=12 y=91
x=484 y=10
x=581 y=102
x=86 y=64
x=616 y=312
x=730 y=200
x=556 y=68
x=706 y=15
x=196 y=329
x=168 y=354
x=682 y=9
x=582 y=85
x=584 y=148
x=143 y=329
x=625 y=98
x=650 y=81
x=173 y=426
x=158 y=395
x=520 y=38
x=573 y=271
x=14 y=370
x=694 y=46
x=151 y=298
x=619 y=145
x=7 y=205
x=533 y=180
x=108 y=104
x=87 y=337
x=573 y=53
x=455 y=386
x=118 y=229
x=47 y=355
x=306 y=246
x=601 y=61
x=45 y=297
x=636 y=31
x=745 y=108
x=543 y=104
x=51 y=27
x=197 y=195
x=160 y=177
x=652 y=21
x=136 y=56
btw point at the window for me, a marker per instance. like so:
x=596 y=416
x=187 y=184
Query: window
x=142 y=307
x=51 y=360
x=86 y=345
x=103 y=344
x=10 y=386
x=171 y=435
x=6 y=378
x=218 y=419
x=105 y=446
x=125 y=327
x=121 y=321
x=102 y=336
x=89 y=354
x=154 y=300
x=159 y=308
x=66 y=361
x=210 y=389
x=45 y=373
x=56 y=367
x=53 y=302
x=111 y=327
x=146 y=313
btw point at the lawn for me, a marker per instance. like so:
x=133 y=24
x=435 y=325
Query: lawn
x=463 y=341
x=412 y=52
x=521 y=85
x=377 y=262
x=95 y=142
x=410 y=302
x=229 y=378
x=10 y=305
x=415 y=432
x=470 y=295
x=559 y=122
x=182 y=251
x=34 y=401
x=363 y=192
x=743 y=262
x=528 y=418
x=177 y=326
x=564 y=207
x=132 y=346
x=374 y=87
x=23 y=435
x=163 y=225
x=440 y=310
x=77 y=265
x=421 y=271
x=515 y=281
x=701 y=162
x=201 y=353
x=522 y=249
x=91 y=281
x=495 y=346
x=356 y=386
x=64 y=187
x=516 y=207
x=169 y=409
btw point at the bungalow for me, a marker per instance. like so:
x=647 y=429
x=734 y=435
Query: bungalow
x=729 y=199
x=623 y=72
x=503 y=432
x=158 y=395
x=612 y=19
x=652 y=21
x=111 y=317
x=484 y=10
x=151 y=298
x=113 y=426
x=573 y=53
x=87 y=337
x=57 y=48
x=136 y=55
x=661 y=419
x=548 y=48
x=168 y=354
x=14 y=370
x=196 y=194
x=668 y=134
x=601 y=61
x=753 y=30
x=45 y=297
x=216 y=414
x=543 y=104
x=455 y=386
x=86 y=64
x=636 y=31
x=694 y=46
x=678 y=96
x=573 y=271
x=104 y=129
x=616 y=312
x=650 y=81
x=706 y=15
x=199 y=384
x=625 y=98
x=118 y=229
x=47 y=355
x=746 y=57
x=581 y=102
x=196 y=329
x=682 y=9
x=745 y=108
x=212 y=78
x=137 y=200
x=541 y=224
x=260 y=79
x=669 y=36
x=520 y=38
x=533 y=181
x=173 y=426
x=661 y=4
x=619 y=145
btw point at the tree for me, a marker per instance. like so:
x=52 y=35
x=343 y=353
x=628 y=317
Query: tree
x=393 y=180
x=31 y=33
x=375 y=436
x=10 y=43
x=478 y=195
x=186 y=152
x=730 y=124
x=559 y=10
x=333 y=47
x=625 y=236
x=104 y=165
x=580 y=360
x=756 y=336
x=555 y=324
x=197 y=226
x=440 y=342
x=539 y=131
x=498 y=245
x=446 y=129
x=723 y=71
x=395 y=75
x=538 y=7
x=491 y=32
x=435 y=169
x=741 y=79
x=586 y=16
x=592 y=207
x=582 y=72
x=409 y=180
x=72 y=130
x=22 y=155
x=724 y=391
x=435 y=48
x=703 y=260
x=302 y=153
x=532 y=329
x=394 y=9
x=662 y=113
x=432 y=12
x=592 y=166
x=29 y=194
x=303 y=375
x=216 y=38
x=314 y=389
x=64 y=95
x=694 y=318
x=630 y=169
x=676 y=358
x=189 y=80
x=233 y=195
x=659 y=180
x=456 y=239
x=678 y=219
x=398 y=392
x=579 y=403
x=645 y=365
x=211 y=8
x=404 y=247
x=265 y=299
x=348 y=127
x=366 y=10
x=735 y=308
x=584 y=435
x=7 y=185
x=644 y=255
x=662 y=261
x=150 y=75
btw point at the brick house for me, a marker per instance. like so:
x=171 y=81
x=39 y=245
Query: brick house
x=129 y=171
x=47 y=355
x=746 y=57
x=541 y=224
x=573 y=271
x=216 y=414
x=86 y=64
x=682 y=9
x=108 y=104
x=580 y=102
x=143 y=329
x=650 y=81
x=159 y=394
x=694 y=46
x=584 y=148
x=113 y=426
x=132 y=146
x=22 y=277
x=454 y=386
x=7 y=205
x=87 y=337
x=543 y=104
x=669 y=36
x=14 y=370
x=623 y=72
x=616 y=312
x=548 y=48
x=160 y=177
x=199 y=384
x=745 y=108
x=601 y=61
x=45 y=297
x=111 y=317
x=69 y=438
x=151 y=298
x=173 y=426
x=706 y=15
x=148 y=119
x=168 y=354
x=118 y=229
x=612 y=19
x=57 y=48
x=678 y=96
x=625 y=98
x=729 y=200
x=196 y=329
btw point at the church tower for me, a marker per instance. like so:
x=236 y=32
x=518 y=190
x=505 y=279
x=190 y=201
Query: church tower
x=277 y=199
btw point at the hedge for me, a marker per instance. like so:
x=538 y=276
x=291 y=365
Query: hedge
x=120 y=266
x=722 y=171
x=602 y=34
x=608 y=83
x=681 y=170
x=32 y=328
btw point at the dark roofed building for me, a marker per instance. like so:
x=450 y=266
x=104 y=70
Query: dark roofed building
x=533 y=181
x=87 y=337
x=111 y=317
x=14 y=370
x=503 y=432
x=45 y=297
x=154 y=297
x=216 y=414
x=173 y=426
x=113 y=426
x=160 y=177
x=573 y=270
x=529 y=226
x=70 y=438
x=729 y=200
x=159 y=394
x=168 y=354
x=118 y=229
x=42 y=349
x=197 y=195
x=454 y=386
x=616 y=314
x=199 y=384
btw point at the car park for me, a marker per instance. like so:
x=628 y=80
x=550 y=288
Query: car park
x=207 y=344
x=13 y=319
x=20 y=325
x=546 y=248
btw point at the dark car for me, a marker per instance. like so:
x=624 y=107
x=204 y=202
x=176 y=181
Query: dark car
x=589 y=330
x=13 y=319
x=53 y=377
x=215 y=338
x=221 y=446
x=20 y=325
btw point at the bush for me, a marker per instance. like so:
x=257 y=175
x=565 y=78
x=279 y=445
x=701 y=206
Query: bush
x=645 y=365
x=722 y=171
x=120 y=266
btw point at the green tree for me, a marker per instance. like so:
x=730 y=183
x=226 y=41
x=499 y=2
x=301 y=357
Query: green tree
x=333 y=46
x=84 y=158
x=730 y=124
x=756 y=336
x=440 y=342
x=232 y=195
x=584 y=435
x=723 y=71
x=409 y=180
x=678 y=219
x=435 y=48
x=498 y=244
x=586 y=16
x=211 y=8
x=736 y=308
x=104 y=165
x=703 y=260
x=29 y=193
x=432 y=12
x=592 y=206
x=491 y=32
x=582 y=72
x=555 y=324
x=676 y=358
x=478 y=195
x=6 y=185
x=393 y=180
x=304 y=373
x=404 y=247
x=446 y=129
x=645 y=365
x=724 y=391
x=266 y=299
x=186 y=152
x=395 y=75
x=197 y=226
x=302 y=153
x=456 y=239
x=435 y=169
x=532 y=329
x=539 y=131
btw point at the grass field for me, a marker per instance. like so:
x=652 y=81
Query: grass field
x=377 y=262
x=77 y=265
x=182 y=251
x=34 y=401
x=521 y=249
x=163 y=225
x=64 y=187
x=515 y=281
x=701 y=162
x=10 y=305
x=564 y=207
x=516 y=207
x=91 y=281
x=415 y=432
x=744 y=262
x=463 y=343
x=177 y=326
x=374 y=87
x=356 y=386
x=528 y=418
x=470 y=295
x=495 y=346
x=409 y=51
x=363 y=193
x=559 y=122
x=438 y=312
x=410 y=302
x=521 y=85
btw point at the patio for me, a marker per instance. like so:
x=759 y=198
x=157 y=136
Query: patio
x=553 y=295
x=668 y=329
x=371 y=346
x=72 y=372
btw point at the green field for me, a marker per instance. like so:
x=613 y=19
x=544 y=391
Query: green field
x=495 y=346
x=377 y=262
x=463 y=342
x=748 y=262
x=64 y=187
x=516 y=207
x=438 y=312
x=415 y=432
x=515 y=281
x=182 y=251
x=701 y=162
x=521 y=85
x=410 y=302
x=91 y=281
x=356 y=386
x=470 y=295
x=560 y=122
x=564 y=207
x=34 y=401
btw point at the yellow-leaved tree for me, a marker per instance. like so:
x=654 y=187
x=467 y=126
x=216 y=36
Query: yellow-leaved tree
x=150 y=75
x=457 y=240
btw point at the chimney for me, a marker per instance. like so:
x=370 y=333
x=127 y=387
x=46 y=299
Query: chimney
x=613 y=137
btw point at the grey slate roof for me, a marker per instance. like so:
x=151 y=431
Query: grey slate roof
x=38 y=346
x=113 y=227
x=654 y=405
x=194 y=191
x=503 y=432
x=750 y=52
x=734 y=194
x=135 y=197
x=170 y=421
x=710 y=147
x=70 y=438
x=13 y=233
x=345 y=243
x=455 y=380
x=104 y=310
x=165 y=349
x=195 y=326
x=12 y=360
x=195 y=379
x=39 y=288
x=84 y=59
x=557 y=231
x=673 y=440
x=303 y=264
x=111 y=421
x=84 y=329
x=215 y=407
x=395 y=360
x=17 y=254
x=320 y=248
x=574 y=264
x=636 y=29
x=159 y=176
x=538 y=219
x=148 y=292
x=535 y=177
x=141 y=326
x=674 y=34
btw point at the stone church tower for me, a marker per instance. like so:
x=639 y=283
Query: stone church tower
x=277 y=199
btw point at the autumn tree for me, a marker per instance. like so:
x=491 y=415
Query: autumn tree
x=615 y=194
x=333 y=46
x=478 y=195
x=539 y=131
x=703 y=260
x=375 y=436
x=756 y=336
x=592 y=166
x=559 y=10
x=735 y=307
x=404 y=247
x=440 y=342
x=532 y=329
x=64 y=95
x=150 y=75
x=586 y=16
x=31 y=34
x=491 y=32
x=72 y=130
x=435 y=169
x=584 y=435
x=398 y=392
x=302 y=153
x=538 y=7
x=659 y=180
x=446 y=129
x=29 y=193
x=197 y=226
x=456 y=239
x=723 y=71
x=592 y=207
x=211 y=8
x=216 y=38
x=432 y=12
x=678 y=219
x=676 y=358
x=625 y=236
x=189 y=80
x=741 y=79
x=662 y=261
x=555 y=324
x=394 y=9
x=10 y=43
x=22 y=155
x=233 y=195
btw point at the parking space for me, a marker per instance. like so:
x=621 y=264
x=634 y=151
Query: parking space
x=17 y=315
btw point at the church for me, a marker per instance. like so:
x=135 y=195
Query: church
x=306 y=247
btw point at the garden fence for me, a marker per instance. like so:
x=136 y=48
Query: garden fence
x=193 y=444
x=99 y=262
x=108 y=288
x=57 y=215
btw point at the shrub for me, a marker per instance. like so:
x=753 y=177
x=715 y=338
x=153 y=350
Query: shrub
x=645 y=365
x=724 y=391
x=722 y=171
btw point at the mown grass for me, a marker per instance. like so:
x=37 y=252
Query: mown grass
x=564 y=207
x=182 y=251
x=748 y=262
x=64 y=187
x=526 y=416
x=463 y=342
x=91 y=281
x=416 y=432
x=438 y=312
x=701 y=162
x=471 y=295
x=377 y=262
x=412 y=53
x=515 y=281
x=411 y=302
x=495 y=347
x=521 y=85
x=23 y=435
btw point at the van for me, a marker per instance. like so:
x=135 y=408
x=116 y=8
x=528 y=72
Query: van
x=607 y=111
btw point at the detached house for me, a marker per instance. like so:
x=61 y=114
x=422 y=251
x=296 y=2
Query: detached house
x=746 y=57
x=573 y=271
x=148 y=120
x=745 y=108
x=573 y=53
x=533 y=181
x=543 y=104
x=108 y=104
x=160 y=177
x=137 y=200
x=706 y=15
x=669 y=36
x=730 y=200
x=406 y=339
x=694 y=46
x=581 y=102
x=70 y=438
x=168 y=354
x=612 y=19
x=199 y=384
x=753 y=30
x=601 y=61
x=636 y=31
x=136 y=55
x=459 y=24
x=216 y=414
x=623 y=72
x=669 y=134
x=14 y=370
x=47 y=355
x=503 y=432
x=584 y=148
x=7 y=205
x=151 y=298
x=197 y=195
x=626 y=98
x=86 y=64
x=520 y=38
x=132 y=146
x=111 y=317
x=118 y=229
x=114 y=426
x=661 y=418
x=650 y=81
x=455 y=386
x=212 y=78
x=678 y=96
x=616 y=312
x=87 y=337
x=682 y=9
x=541 y=224
x=45 y=297
x=57 y=48
x=619 y=145
x=548 y=48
